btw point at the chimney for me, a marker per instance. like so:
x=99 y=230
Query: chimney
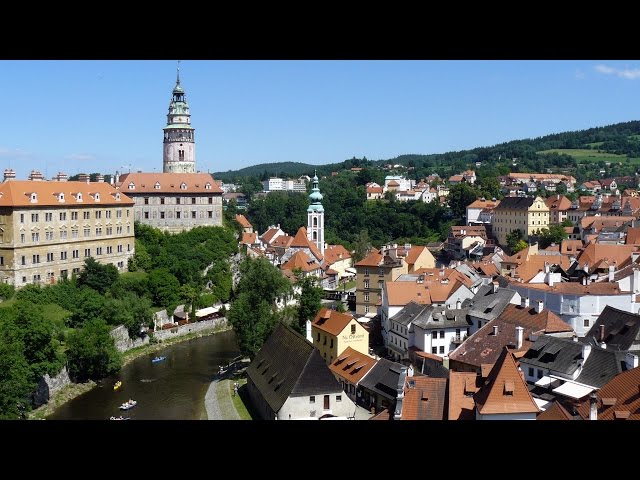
x=585 y=267
x=593 y=404
x=458 y=304
x=519 y=337
x=546 y=267
x=83 y=177
x=550 y=279
x=100 y=178
x=632 y=362
x=36 y=176
x=601 y=336
x=117 y=178
x=397 y=414
x=496 y=285
x=524 y=302
x=612 y=269
x=584 y=280
x=539 y=306
x=9 y=174
x=61 y=177
x=495 y=330
x=586 y=351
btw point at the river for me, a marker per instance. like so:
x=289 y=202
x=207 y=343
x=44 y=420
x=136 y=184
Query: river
x=173 y=389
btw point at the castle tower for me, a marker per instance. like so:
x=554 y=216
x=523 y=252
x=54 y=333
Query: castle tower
x=315 y=217
x=179 y=152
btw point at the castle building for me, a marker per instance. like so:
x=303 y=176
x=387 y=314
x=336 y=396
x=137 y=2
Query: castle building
x=179 y=152
x=315 y=217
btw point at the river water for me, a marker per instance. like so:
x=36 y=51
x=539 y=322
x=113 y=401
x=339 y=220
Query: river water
x=173 y=389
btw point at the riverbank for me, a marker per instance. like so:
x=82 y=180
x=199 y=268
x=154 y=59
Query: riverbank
x=74 y=390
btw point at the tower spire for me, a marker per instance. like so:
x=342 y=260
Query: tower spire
x=178 y=75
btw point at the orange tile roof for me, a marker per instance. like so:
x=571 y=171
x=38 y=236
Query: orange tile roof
x=169 y=183
x=598 y=222
x=558 y=202
x=576 y=288
x=302 y=261
x=600 y=255
x=624 y=389
x=572 y=247
x=17 y=193
x=424 y=398
x=242 y=220
x=505 y=390
x=456 y=178
x=490 y=204
x=541 y=176
x=268 y=235
x=487 y=268
x=335 y=253
x=535 y=264
x=633 y=236
x=374 y=190
x=352 y=365
x=249 y=238
x=301 y=241
x=462 y=386
x=545 y=321
x=401 y=293
x=555 y=412
x=331 y=321
x=393 y=183
x=283 y=241
x=371 y=260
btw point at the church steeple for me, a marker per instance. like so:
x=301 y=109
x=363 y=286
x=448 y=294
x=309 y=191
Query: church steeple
x=179 y=135
x=315 y=216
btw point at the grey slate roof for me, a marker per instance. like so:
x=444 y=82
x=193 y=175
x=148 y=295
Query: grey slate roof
x=287 y=365
x=383 y=378
x=601 y=366
x=556 y=354
x=409 y=313
x=487 y=305
x=442 y=317
x=621 y=330
x=515 y=203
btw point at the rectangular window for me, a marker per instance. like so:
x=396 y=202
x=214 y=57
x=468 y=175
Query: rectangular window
x=128 y=228
x=22 y=218
x=22 y=238
x=35 y=237
x=1 y=260
x=327 y=404
x=539 y=373
x=177 y=200
x=210 y=200
x=98 y=214
x=210 y=214
x=381 y=272
x=35 y=259
x=109 y=230
x=74 y=215
x=87 y=232
x=441 y=333
x=193 y=214
x=434 y=350
x=98 y=250
x=109 y=250
x=366 y=272
x=161 y=215
x=118 y=213
x=87 y=252
x=531 y=371
x=331 y=343
x=48 y=217
x=434 y=334
x=119 y=248
x=353 y=329
x=366 y=297
x=366 y=284
x=24 y=260
x=146 y=215
x=193 y=201
x=63 y=255
x=48 y=235
x=34 y=217
x=586 y=322
x=441 y=348
x=86 y=215
x=380 y=284
x=146 y=200
x=49 y=257
x=118 y=230
x=63 y=234
x=63 y=274
x=74 y=234
x=161 y=200
x=366 y=309
x=177 y=214
x=75 y=254
x=338 y=398
x=312 y=399
x=318 y=337
x=98 y=231
x=107 y=214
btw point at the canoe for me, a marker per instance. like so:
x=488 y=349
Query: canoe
x=117 y=385
x=158 y=359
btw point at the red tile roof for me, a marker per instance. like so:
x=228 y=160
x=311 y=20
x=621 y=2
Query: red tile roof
x=269 y=234
x=555 y=412
x=335 y=253
x=249 y=238
x=331 y=321
x=505 y=390
x=633 y=236
x=424 y=398
x=18 y=193
x=242 y=220
x=462 y=387
x=545 y=321
x=282 y=241
x=352 y=365
x=624 y=389
x=302 y=241
x=302 y=261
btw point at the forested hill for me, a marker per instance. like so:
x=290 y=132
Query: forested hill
x=617 y=139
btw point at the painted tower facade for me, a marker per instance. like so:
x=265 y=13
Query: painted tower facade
x=315 y=217
x=179 y=149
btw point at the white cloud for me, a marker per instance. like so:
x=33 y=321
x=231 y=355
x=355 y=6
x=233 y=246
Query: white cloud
x=13 y=152
x=80 y=157
x=628 y=73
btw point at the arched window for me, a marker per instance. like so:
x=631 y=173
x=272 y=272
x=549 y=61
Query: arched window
x=315 y=235
x=315 y=221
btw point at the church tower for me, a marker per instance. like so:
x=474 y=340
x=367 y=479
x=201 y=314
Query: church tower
x=179 y=152
x=315 y=217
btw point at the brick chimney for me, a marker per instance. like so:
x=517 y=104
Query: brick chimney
x=539 y=306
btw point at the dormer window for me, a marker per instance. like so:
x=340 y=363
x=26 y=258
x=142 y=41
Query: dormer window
x=79 y=197
x=117 y=196
x=61 y=197
x=157 y=186
x=183 y=186
x=34 y=197
x=97 y=197
x=207 y=186
x=132 y=186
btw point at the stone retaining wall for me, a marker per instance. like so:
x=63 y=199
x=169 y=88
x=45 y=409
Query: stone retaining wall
x=189 y=328
x=47 y=386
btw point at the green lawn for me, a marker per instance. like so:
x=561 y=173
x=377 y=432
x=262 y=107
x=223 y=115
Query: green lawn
x=350 y=284
x=8 y=303
x=237 y=399
x=584 y=155
x=134 y=275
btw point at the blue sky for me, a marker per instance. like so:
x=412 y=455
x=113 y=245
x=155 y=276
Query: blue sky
x=90 y=116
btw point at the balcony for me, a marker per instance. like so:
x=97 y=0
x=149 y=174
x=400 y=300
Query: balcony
x=458 y=339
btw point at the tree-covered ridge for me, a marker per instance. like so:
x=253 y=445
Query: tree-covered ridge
x=266 y=170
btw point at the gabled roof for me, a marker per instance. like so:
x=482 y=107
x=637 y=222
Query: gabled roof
x=515 y=203
x=374 y=259
x=556 y=354
x=571 y=247
x=482 y=204
x=535 y=264
x=335 y=253
x=600 y=255
x=424 y=398
x=409 y=313
x=289 y=366
x=282 y=241
x=555 y=412
x=625 y=400
x=352 y=365
x=383 y=378
x=505 y=390
x=301 y=241
x=401 y=293
x=302 y=261
x=413 y=254
x=487 y=305
x=331 y=321
x=249 y=238
x=621 y=330
x=269 y=234
x=19 y=193
x=558 y=202
x=462 y=387
x=440 y=317
x=601 y=366
x=242 y=220
x=169 y=183
x=543 y=322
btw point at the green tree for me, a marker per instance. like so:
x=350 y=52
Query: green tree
x=554 y=234
x=189 y=294
x=253 y=314
x=520 y=245
x=567 y=223
x=141 y=259
x=164 y=287
x=16 y=380
x=91 y=352
x=97 y=276
x=310 y=301
x=513 y=237
x=6 y=291
x=361 y=246
x=89 y=307
x=461 y=195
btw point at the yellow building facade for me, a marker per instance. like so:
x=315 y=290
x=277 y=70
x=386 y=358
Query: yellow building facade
x=527 y=214
x=333 y=332
x=49 y=228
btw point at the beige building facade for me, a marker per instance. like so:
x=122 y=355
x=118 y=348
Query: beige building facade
x=527 y=214
x=49 y=228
